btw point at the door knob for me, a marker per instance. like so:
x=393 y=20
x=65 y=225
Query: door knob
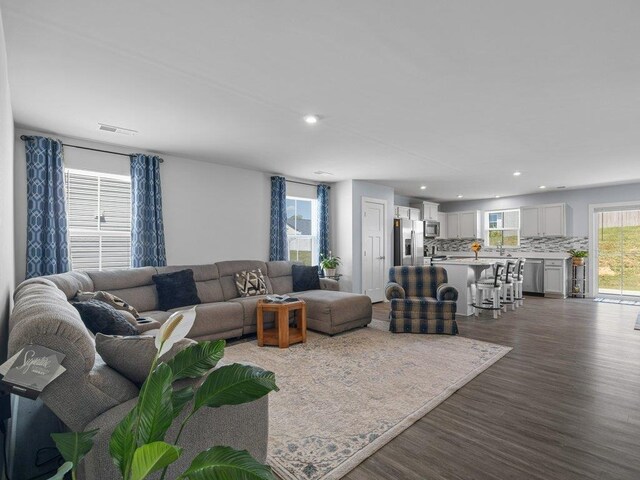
x=380 y=258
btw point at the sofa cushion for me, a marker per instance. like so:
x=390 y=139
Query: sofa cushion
x=279 y=273
x=250 y=284
x=213 y=318
x=335 y=308
x=305 y=278
x=228 y=269
x=100 y=317
x=71 y=282
x=207 y=281
x=176 y=289
x=249 y=306
x=132 y=356
x=106 y=297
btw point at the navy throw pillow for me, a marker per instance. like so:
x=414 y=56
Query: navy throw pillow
x=176 y=289
x=100 y=317
x=305 y=278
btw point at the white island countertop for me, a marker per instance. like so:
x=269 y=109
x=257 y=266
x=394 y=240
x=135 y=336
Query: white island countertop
x=468 y=261
x=514 y=254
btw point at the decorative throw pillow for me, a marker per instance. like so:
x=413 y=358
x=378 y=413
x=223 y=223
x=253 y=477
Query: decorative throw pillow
x=109 y=298
x=176 y=289
x=250 y=283
x=100 y=317
x=132 y=356
x=305 y=278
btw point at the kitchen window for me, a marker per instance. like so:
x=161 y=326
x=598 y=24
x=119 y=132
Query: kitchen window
x=302 y=230
x=99 y=219
x=502 y=227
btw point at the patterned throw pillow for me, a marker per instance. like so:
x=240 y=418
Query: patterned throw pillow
x=250 y=284
x=108 y=298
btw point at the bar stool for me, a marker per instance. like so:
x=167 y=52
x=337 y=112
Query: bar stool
x=518 y=280
x=508 y=286
x=489 y=288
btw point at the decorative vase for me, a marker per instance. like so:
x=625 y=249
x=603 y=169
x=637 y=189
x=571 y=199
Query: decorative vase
x=578 y=261
x=330 y=272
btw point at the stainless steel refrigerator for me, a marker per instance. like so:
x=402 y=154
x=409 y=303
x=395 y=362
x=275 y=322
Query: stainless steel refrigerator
x=408 y=242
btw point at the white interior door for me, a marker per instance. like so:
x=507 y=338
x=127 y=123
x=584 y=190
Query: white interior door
x=373 y=248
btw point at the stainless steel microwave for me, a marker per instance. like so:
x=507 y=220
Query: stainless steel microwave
x=431 y=229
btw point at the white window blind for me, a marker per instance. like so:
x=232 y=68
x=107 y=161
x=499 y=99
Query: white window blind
x=99 y=218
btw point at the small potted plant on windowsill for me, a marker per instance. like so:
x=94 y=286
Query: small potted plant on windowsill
x=329 y=264
x=578 y=256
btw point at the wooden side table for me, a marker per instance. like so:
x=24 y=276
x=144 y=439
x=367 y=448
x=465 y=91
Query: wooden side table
x=282 y=335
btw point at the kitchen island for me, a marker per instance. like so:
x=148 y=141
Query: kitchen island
x=463 y=273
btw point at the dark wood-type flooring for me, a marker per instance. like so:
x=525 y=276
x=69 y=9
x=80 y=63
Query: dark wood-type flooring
x=563 y=404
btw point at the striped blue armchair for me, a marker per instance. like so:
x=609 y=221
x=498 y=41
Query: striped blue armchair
x=421 y=301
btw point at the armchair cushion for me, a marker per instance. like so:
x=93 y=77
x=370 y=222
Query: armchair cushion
x=394 y=290
x=446 y=292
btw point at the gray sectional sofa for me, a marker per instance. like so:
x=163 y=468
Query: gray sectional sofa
x=92 y=395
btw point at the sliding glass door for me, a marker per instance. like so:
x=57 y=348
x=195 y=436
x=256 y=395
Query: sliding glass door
x=618 y=252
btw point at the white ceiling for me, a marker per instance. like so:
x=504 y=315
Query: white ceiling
x=453 y=95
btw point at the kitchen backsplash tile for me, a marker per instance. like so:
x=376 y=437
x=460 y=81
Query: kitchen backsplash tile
x=527 y=244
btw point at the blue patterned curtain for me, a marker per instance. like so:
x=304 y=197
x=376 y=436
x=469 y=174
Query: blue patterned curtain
x=279 y=249
x=147 y=229
x=47 y=241
x=323 y=220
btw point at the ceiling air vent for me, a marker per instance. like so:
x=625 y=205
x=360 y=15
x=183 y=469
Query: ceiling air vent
x=113 y=129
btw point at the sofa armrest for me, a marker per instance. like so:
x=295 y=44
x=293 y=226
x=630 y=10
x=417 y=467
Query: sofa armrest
x=446 y=292
x=329 y=284
x=394 y=290
x=243 y=427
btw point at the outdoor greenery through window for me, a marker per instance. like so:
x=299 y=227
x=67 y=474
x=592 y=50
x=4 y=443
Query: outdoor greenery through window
x=302 y=230
x=99 y=218
x=502 y=228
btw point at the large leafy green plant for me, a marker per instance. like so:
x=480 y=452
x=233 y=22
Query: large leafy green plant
x=138 y=445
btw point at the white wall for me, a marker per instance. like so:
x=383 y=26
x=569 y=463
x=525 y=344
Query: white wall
x=6 y=200
x=211 y=212
x=578 y=201
x=341 y=211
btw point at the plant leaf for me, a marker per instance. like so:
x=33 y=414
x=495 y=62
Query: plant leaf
x=225 y=463
x=152 y=457
x=73 y=446
x=179 y=398
x=122 y=443
x=155 y=409
x=234 y=384
x=196 y=360
x=63 y=469
x=174 y=329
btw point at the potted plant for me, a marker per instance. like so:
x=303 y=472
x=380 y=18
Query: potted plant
x=578 y=256
x=329 y=264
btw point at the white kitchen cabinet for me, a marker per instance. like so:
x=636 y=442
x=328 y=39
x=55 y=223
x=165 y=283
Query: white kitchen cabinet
x=543 y=220
x=464 y=224
x=415 y=214
x=452 y=225
x=401 y=212
x=556 y=275
x=442 y=218
x=428 y=210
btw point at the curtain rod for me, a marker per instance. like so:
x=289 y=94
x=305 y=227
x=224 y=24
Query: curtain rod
x=304 y=183
x=27 y=137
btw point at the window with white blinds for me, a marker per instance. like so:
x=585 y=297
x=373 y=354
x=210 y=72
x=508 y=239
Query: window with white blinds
x=99 y=218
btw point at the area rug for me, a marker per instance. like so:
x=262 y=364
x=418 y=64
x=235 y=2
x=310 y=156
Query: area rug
x=341 y=398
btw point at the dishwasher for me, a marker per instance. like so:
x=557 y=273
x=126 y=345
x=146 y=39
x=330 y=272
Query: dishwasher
x=533 y=281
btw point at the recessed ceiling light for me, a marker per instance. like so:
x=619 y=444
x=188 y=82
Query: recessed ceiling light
x=497 y=196
x=517 y=174
x=423 y=187
x=542 y=187
x=311 y=119
x=460 y=196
